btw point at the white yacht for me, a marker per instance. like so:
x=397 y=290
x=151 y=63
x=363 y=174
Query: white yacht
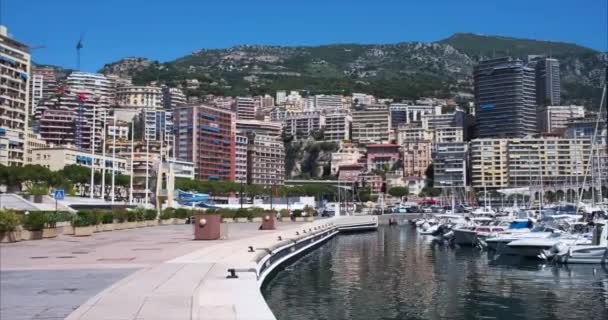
x=597 y=253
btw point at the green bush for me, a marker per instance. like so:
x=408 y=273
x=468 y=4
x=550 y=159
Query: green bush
x=258 y=212
x=243 y=213
x=96 y=216
x=9 y=221
x=120 y=215
x=285 y=213
x=182 y=213
x=150 y=214
x=38 y=190
x=131 y=215
x=108 y=217
x=83 y=219
x=34 y=221
x=297 y=213
x=168 y=213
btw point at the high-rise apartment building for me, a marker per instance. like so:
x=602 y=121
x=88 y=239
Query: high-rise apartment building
x=14 y=99
x=371 y=124
x=505 y=98
x=281 y=97
x=303 y=125
x=553 y=119
x=450 y=165
x=67 y=119
x=95 y=84
x=245 y=127
x=43 y=85
x=416 y=158
x=402 y=113
x=337 y=125
x=173 y=98
x=265 y=160
x=157 y=123
x=548 y=83
x=240 y=171
x=205 y=135
x=325 y=102
x=245 y=108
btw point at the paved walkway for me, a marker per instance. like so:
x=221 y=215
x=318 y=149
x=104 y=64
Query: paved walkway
x=48 y=279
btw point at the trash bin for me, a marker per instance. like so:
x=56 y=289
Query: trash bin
x=207 y=226
x=267 y=222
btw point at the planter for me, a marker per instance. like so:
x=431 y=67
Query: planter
x=31 y=235
x=300 y=219
x=257 y=219
x=67 y=230
x=228 y=220
x=49 y=232
x=83 y=231
x=309 y=219
x=179 y=221
x=151 y=223
x=38 y=198
x=242 y=220
x=12 y=236
x=285 y=219
x=108 y=227
x=119 y=225
x=140 y=224
x=130 y=224
x=98 y=228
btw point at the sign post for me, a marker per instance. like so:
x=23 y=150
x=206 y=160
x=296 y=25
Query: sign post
x=59 y=195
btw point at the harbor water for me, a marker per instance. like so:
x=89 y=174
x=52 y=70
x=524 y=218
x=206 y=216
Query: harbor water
x=394 y=273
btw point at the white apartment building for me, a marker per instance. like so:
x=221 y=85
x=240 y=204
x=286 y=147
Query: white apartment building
x=240 y=170
x=14 y=99
x=137 y=97
x=281 y=97
x=448 y=134
x=95 y=83
x=157 y=123
x=553 y=119
x=337 y=125
x=402 y=113
x=245 y=108
x=33 y=141
x=56 y=158
x=327 y=102
x=363 y=99
x=450 y=165
x=371 y=124
x=173 y=98
x=120 y=130
x=303 y=125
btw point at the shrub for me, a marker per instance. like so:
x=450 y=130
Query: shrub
x=140 y=214
x=9 y=221
x=182 y=213
x=258 y=212
x=120 y=215
x=35 y=221
x=310 y=211
x=96 y=216
x=108 y=217
x=168 y=213
x=131 y=215
x=284 y=213
x=39 y=190
x=243 y=213
x=297 y=213
x=82 y=219
x=150 y=214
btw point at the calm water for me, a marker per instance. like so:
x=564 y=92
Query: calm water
x=396 y=274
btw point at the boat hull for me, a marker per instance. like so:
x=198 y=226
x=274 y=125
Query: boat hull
x=465 y=237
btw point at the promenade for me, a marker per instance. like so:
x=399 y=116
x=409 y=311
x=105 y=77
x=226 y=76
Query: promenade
x=50 y=278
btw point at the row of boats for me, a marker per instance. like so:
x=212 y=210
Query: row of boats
x=556 y=238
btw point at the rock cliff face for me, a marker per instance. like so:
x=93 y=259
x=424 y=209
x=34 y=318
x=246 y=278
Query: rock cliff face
x=402 y=70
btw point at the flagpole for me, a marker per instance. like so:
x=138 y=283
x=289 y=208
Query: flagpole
x=132 y=154
x=114 y=160
x=147 y=166
x=93 y=153
x=103 y=156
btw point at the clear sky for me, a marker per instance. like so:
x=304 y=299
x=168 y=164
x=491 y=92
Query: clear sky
x=167 y=29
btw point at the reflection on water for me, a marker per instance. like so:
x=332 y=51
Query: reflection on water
x=395 y=274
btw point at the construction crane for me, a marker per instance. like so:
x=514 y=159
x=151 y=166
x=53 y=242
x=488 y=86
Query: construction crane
x=78 y=47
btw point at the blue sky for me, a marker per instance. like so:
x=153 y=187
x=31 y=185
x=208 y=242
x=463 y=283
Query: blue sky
x=165 y=30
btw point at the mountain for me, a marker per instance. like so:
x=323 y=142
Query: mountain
x=402 y=70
